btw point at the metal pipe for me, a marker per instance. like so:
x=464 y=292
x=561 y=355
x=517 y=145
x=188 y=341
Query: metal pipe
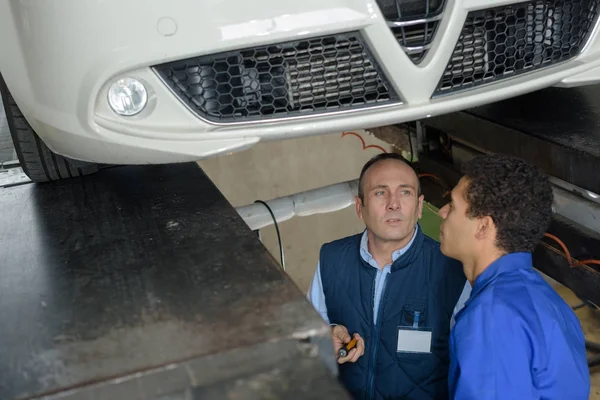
x=335 y=197
x=316 y=201
x=583 y=211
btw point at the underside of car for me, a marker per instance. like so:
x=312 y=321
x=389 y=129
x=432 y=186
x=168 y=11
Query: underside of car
x=185 y=92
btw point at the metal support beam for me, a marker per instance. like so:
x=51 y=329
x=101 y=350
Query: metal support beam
x=565 y=142
x=142 y=281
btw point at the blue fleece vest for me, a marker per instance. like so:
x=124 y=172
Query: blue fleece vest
x=423 y=280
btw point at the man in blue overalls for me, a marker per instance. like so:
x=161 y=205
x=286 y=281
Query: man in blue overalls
x=392 y=289
x=515 y=338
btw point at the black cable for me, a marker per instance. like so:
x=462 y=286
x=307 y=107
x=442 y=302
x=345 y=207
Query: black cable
x=277 y=229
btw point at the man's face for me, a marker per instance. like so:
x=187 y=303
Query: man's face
x=391 y=206
x=457 y=230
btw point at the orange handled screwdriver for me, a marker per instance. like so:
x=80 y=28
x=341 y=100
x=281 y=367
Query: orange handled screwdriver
x=343 y=352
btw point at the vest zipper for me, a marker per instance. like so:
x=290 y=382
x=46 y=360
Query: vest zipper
x=373 y=360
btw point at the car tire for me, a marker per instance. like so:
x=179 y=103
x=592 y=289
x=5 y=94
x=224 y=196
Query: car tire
x=39 y=163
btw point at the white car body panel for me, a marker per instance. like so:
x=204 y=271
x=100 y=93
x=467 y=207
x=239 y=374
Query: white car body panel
x=59 y=57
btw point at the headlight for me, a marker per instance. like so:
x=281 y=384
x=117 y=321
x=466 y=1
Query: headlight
x=127 y=96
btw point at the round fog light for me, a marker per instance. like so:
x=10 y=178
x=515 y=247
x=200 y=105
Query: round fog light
x=127 y=96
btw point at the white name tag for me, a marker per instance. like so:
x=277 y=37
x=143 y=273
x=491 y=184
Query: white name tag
x=414 y=341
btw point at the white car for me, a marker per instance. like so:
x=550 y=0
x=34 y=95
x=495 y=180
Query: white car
x=155 y=81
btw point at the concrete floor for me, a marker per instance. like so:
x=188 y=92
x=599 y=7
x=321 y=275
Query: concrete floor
x=275 y=169
x=590 y=322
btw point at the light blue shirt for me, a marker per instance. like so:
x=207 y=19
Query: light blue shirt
x=317 y=297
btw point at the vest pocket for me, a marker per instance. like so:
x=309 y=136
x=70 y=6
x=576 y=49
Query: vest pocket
x=413 y=358
x=413 y=310
x=410 y=310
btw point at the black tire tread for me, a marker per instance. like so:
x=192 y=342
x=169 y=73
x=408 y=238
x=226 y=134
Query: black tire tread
x=37 y=160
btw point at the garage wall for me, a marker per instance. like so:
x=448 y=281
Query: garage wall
x=275 y=169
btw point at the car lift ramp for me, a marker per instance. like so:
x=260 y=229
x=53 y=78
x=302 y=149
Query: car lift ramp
x=556 y=129
x=143 y=282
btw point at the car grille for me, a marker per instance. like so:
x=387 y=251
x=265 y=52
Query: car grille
x=505 y=41
x=413 y=23
x=325 y=74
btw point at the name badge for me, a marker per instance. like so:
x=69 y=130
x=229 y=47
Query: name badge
x=414 y=339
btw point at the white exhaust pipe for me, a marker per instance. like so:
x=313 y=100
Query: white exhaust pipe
x=317 y=201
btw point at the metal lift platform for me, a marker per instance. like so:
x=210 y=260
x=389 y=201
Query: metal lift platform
x=556 y=129
x=142 y=282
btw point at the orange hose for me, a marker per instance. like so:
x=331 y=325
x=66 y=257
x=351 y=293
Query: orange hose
x=364 y=145
x=567 y=255
x=431 y=176
x=562 y=245
x=586 y=262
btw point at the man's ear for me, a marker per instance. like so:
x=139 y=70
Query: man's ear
x=485 y=228
x=358 y=203
x=420 y=205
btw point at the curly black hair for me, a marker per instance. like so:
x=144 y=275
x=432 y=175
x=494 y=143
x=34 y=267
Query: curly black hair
x=516 y=195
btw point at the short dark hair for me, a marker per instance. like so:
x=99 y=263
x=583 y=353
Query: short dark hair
x=381 y=157
x=515 y=194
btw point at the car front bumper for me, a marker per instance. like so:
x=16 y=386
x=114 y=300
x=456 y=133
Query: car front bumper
x=66 y=54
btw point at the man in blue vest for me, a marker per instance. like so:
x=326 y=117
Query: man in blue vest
x=392 y=289
x=515 y=338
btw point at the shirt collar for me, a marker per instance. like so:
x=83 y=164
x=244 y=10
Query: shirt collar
x=508 y=262
x=364 y=248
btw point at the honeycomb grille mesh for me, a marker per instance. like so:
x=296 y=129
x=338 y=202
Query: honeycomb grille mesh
x=505 y=41
x=325 y=74
x=416 y=39
x=414 y=24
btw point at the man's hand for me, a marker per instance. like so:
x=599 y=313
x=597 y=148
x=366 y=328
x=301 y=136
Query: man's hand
x=340 y=338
